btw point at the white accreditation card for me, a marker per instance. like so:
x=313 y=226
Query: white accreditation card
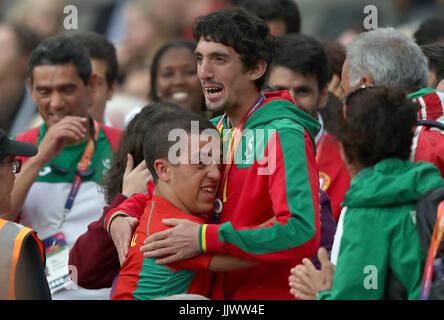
x=57 y=256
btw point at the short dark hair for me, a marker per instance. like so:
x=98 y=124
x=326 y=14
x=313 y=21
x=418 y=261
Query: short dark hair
x=131 y=142
x=154 y=68
x=302 y=54
x=435 y=57
x=378 y=124
x=247 y=34
x=99 y=47
x=156 y=144
x=430 y=31
x=336 y=54
x=269 y=10
x=62 y=50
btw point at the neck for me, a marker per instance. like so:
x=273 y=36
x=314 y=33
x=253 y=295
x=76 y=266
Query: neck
x=97 y=113
x=237 y=112
x=165 y=193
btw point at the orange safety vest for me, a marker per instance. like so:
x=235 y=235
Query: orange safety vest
x=12 y=239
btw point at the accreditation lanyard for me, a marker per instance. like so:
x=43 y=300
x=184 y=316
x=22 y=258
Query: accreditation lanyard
x=320 y=145
x=438 y=231
x=233 y=144
x=81 y=166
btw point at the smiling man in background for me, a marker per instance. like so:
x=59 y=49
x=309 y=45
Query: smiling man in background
x=56 y=192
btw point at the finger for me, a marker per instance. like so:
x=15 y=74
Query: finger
x=323 y=257
x=141 y=166
x=156 y=237
x=296 y=283
x=298 y=267
x=129 y=164
x=300 y=295
x=74 y=123
x=309 y=266
x=306 y=282
x=150 y=247
x=173 y=222
x=158 y=253
x=169 y=259
x=303 y=288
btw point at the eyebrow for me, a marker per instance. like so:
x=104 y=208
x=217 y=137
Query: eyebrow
x=303 y=86
x=212 y=54
x=62 y=86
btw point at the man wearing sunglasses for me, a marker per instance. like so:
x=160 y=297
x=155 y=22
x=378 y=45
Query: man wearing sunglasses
x=22 y=274
x=57 y=191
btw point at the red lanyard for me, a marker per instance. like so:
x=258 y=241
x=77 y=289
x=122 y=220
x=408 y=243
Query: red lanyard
x=234 y=141
x=81 y=166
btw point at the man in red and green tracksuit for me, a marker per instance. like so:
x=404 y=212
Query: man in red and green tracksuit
x=289 y=194
x=270 y=192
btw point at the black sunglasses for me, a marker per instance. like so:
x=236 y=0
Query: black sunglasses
x=16 y=165
x=82 y=173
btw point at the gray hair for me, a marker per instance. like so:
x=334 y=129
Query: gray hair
x=390 y=57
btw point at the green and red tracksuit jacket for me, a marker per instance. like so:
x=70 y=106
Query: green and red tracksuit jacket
x=428 y=142
x=142 y=279
x=284 y=135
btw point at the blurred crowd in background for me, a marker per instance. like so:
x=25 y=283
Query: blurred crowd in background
x=138 y=28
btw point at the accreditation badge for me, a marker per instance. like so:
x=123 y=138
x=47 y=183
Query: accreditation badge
x=57 y=257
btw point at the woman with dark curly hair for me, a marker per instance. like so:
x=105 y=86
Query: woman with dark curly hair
x=377 y=251
x=94 y=255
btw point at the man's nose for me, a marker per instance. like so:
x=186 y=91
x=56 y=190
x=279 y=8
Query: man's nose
x=205 y=70
x=214 y=172
x=57 y=101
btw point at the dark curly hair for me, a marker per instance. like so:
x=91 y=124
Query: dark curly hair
x=247 y=34
x=132 y=143
x=378 y=124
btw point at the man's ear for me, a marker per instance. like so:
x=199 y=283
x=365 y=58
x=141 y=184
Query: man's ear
x=366 y=81
x=258 y=71
x=162 y=168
